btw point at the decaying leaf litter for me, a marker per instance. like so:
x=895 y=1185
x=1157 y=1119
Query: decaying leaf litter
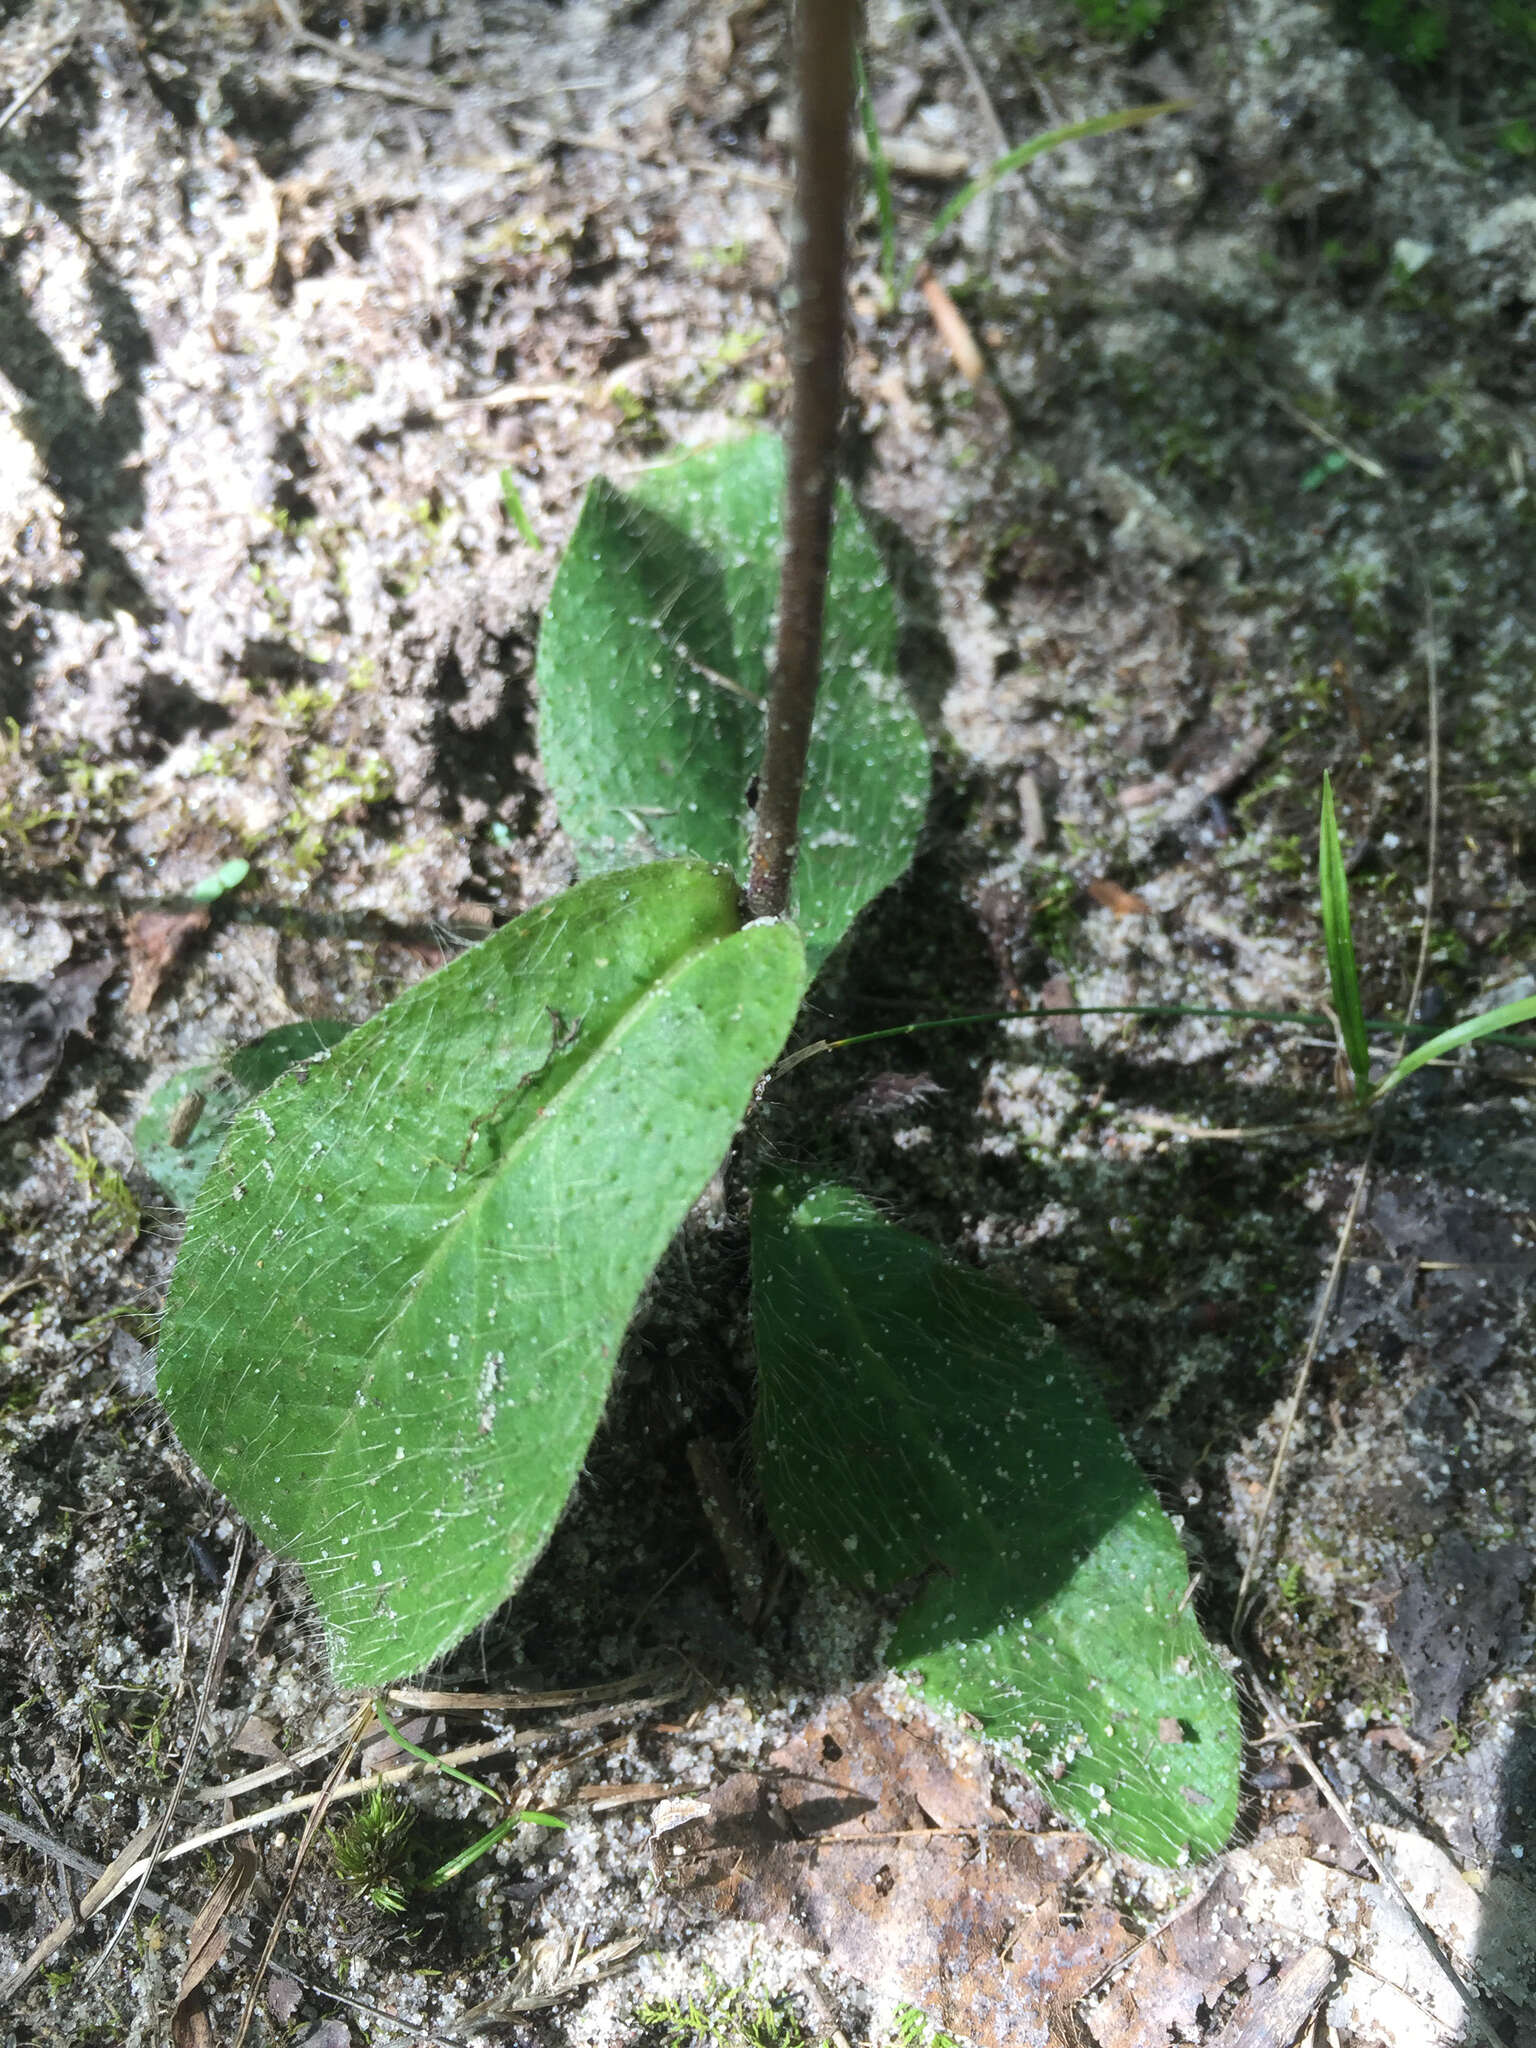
x=262 y=599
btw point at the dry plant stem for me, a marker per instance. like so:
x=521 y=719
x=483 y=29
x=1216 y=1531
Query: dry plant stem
x=996 y=133
x=311 y=1828
x=824 y=33
x=1303 y=1378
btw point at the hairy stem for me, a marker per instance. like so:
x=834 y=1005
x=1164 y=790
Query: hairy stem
x=824 y=46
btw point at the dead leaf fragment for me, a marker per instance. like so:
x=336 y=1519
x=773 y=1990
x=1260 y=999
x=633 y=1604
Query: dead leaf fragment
x=987 y=1928
x=1279 y=2011
x=206 y=1944
x=1123 y=902
x=897 y=1774
x=35 y=1020
x=1159 y=1992
x=156 y=941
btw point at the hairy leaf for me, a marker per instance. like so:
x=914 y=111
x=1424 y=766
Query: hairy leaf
x=918 y=1422
x=178 y=1140
x=394 y=1321
x=654 y=661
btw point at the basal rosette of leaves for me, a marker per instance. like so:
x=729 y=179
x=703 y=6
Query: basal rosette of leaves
x=917 y=1423
x=406 y=1279
x=654 y=662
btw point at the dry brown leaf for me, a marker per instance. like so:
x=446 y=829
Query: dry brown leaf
x=857 y=1769
x=1183 y=1967
x=980 y=1925
x=258 y=1737
x=1280 y=2010
x=156 y=941
x=209 y=1936
x=35 y=1021
x=1121 y=901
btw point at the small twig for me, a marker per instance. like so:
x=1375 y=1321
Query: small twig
x=1293 y=1407
x=32 y=88
x=1366 y=463
x=359 y=78
x=824 y=46
x=100 y=1893
x=952 y=327
x=502 y=396
x=108 y=1878
x=311 y=1827
x=358 y=73
x=1179 y=1127
x=728 y=1525
x=523 y=1702
x=996 y=133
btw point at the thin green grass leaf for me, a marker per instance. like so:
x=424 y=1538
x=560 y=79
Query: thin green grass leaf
x=514 y=508
x=1015 y=159
x=880 y=179
x=456 y=1866
x=1461 y=1034
x=402 y=1741
x=1343 y=977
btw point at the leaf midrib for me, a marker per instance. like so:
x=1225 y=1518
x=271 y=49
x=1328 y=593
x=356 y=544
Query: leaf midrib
x=534 y=1127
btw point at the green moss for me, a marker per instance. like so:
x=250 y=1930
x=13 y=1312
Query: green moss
x=373 y=1851
x=723 y=2016
x=914 y=2029
x=109 y=1193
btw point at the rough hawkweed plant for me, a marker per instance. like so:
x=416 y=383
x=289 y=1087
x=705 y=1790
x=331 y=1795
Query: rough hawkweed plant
x=409 y=1268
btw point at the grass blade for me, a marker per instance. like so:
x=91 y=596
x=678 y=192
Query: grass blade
x=1459 y=1034
x=516 y=511
x=1015 y=160
x=880 y=178
x=1334 y=890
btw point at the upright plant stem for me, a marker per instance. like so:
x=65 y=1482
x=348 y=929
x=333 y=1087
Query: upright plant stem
x=824 y=76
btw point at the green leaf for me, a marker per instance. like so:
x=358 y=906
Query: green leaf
x=1342 y=975
x=220 y=882
x=404 y=1286
x=880 y=179
x=513 y=506
x=1464 y=1033
x=1026 y=152
x=918 y=1422
x=654 y=663
x=181 y=1168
